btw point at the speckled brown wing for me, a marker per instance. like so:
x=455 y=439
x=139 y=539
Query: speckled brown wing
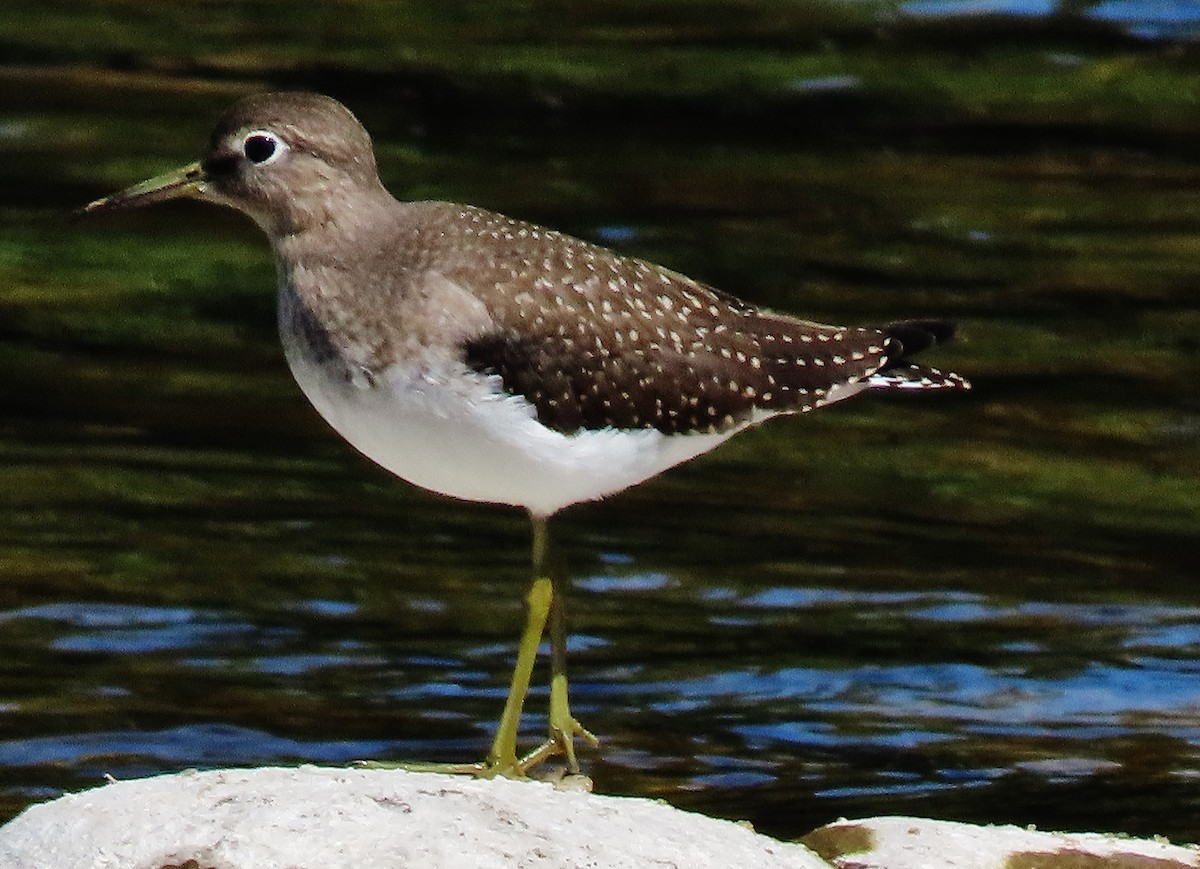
x=610 y=341
x=696 y=389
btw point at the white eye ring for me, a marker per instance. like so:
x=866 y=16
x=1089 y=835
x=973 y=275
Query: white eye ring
x=262 y=147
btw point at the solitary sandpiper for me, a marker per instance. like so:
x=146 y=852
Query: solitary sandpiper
x=493 y=360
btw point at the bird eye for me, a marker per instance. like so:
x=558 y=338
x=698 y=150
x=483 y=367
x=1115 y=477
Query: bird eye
x=261 y=148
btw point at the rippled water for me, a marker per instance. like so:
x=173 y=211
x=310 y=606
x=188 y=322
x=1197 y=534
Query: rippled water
x=784 y=690
x=981 y=607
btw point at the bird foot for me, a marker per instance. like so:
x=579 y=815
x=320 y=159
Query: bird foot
x=493 y=767
x=560 y=743
x=564 y=730
x=563 y=778
x=474 y=769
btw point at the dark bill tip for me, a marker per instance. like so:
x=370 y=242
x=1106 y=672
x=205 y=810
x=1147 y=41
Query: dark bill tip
x=181 y=183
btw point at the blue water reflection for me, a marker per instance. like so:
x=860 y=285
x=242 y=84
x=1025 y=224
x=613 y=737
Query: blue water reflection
x=1160 y=19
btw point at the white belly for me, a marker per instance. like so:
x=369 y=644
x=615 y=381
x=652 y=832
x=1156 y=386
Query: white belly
x=457 y=434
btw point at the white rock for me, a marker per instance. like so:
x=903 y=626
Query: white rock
x=916 y=843
x=318 y=818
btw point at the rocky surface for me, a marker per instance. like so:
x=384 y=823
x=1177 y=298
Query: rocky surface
x=918 y=843
x=321 y=818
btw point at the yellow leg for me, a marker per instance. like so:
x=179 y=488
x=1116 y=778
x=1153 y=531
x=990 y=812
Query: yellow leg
x=545 y=603
x=502 y=758
x=563 y=726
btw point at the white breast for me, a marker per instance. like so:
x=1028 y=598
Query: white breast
x=456 y=432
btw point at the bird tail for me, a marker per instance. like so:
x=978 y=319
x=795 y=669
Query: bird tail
x=905 y=340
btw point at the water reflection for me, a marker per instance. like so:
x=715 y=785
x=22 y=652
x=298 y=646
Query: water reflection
x=1169 y=20
x=1049 y=689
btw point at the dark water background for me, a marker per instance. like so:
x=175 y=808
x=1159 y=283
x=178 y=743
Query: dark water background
x=981 y=608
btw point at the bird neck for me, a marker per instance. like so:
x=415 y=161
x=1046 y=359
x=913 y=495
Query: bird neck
x=333 y=215
x=343 y=271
